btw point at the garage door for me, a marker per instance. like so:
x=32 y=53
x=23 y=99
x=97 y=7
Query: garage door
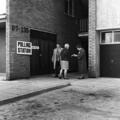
x=43 y=45
x=110 y=54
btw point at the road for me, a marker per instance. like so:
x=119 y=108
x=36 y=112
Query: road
x=77 y=102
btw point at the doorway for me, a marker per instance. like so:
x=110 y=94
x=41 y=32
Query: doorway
x=42 y=49
x=84 y=42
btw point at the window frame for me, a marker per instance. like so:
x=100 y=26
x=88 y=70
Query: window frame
x=66 y=7
x=113 y=36
x=70 y=10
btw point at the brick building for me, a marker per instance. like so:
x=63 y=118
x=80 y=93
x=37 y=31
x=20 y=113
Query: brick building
x=30 y=29
x=104 y=38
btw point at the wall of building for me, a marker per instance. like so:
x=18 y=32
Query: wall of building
x=2 y=51
x=103 y=15
x=93 y=41
x=81 y=8
x=42 y=15
x=108 y=14
x=3 y=7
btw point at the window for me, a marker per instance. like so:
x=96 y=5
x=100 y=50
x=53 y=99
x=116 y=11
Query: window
x=110 y=37
x=69 y=7
x=66 y=6
x=117 y=36
x=106 y=37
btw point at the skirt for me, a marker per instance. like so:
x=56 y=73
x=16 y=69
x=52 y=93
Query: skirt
x=64 y=65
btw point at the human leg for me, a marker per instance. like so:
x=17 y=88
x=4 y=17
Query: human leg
x=60 y=74
x=57 y=68
x=65 y=74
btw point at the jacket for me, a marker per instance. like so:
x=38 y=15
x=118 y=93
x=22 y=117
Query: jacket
x=65 y=54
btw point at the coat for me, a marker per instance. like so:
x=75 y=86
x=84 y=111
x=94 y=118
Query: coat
x=82 y=65
x=54 y=56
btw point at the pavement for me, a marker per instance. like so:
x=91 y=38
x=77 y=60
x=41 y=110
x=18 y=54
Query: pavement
x=11 y=91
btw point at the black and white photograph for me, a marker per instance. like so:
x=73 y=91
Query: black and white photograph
x=59 y=59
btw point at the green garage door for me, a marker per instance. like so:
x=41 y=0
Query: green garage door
x=110 y=54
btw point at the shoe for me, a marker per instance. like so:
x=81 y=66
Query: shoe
x=59 y=76
x=66 y=78
x=81 y=77
x=56 y=76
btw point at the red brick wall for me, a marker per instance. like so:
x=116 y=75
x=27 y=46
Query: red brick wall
x=93 y=41
x=43 y=15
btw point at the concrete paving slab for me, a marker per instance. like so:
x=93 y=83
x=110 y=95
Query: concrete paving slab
x=11 y=91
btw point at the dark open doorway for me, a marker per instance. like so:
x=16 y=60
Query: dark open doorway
x=84 y=42
x=43 y=44
x=82 y=15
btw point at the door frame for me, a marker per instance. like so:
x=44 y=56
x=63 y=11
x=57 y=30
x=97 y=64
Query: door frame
x=107 y=44
x=46 y=32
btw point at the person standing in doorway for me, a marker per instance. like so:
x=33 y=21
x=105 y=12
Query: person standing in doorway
x=56 y=59
x=65 y=55
x=82 y=65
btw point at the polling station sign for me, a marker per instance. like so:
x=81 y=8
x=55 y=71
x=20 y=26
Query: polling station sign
x=24 y=48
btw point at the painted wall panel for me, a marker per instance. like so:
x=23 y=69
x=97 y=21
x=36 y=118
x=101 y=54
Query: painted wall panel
x=2 y=6
x=108 y=14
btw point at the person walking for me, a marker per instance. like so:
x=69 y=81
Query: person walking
x=82 y=65
x=65 y=56
x=56 y=59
